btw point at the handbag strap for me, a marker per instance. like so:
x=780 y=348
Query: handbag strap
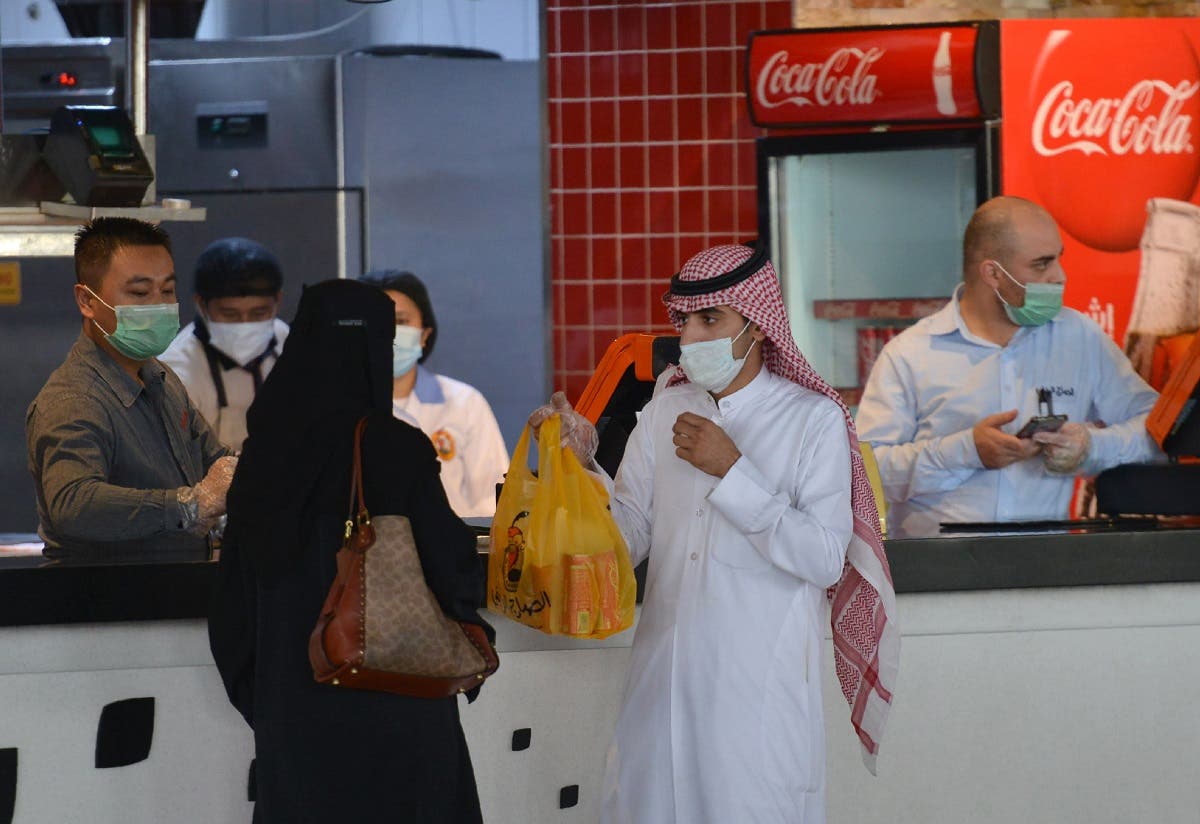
x=358 y=524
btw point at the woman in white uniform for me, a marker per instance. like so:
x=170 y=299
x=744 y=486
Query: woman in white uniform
x=455 y=416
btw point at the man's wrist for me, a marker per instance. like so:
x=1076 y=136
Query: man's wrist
x=961 y=450
x=189 y=507
x=737 y=456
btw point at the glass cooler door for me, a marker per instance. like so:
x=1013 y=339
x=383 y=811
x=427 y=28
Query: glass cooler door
x=866 y=232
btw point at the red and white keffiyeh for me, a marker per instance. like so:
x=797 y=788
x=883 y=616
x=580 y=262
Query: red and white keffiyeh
x=866 y=637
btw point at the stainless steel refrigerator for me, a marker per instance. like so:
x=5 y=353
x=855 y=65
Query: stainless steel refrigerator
x=339 y=163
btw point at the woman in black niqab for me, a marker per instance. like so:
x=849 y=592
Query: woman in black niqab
x=325 y=753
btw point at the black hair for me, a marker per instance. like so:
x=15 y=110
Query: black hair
x=98 y=240
x=409 y=285
x=235 y=267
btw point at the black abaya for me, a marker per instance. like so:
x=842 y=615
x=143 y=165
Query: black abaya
x=327 y=753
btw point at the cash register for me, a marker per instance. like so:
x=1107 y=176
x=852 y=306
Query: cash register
x=97 y=157
x=1174 y=423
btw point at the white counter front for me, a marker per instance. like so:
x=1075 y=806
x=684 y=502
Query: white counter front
x=1037 y=705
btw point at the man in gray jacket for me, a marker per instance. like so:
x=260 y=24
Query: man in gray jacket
x=123 y=465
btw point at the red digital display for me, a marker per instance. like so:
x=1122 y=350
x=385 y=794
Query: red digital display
x=63 y=80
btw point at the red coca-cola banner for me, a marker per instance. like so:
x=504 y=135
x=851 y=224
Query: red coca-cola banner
x=1100 y=116
x=927 y=73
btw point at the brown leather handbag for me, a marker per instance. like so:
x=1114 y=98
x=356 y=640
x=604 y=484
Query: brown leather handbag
x=381 y=627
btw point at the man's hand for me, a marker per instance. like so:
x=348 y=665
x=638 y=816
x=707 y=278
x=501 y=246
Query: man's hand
x=210 y=493
x=1065 y=451
x=999 y=449
x=576 y=432
x=704 y=445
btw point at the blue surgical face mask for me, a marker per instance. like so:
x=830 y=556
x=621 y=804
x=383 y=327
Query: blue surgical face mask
x=1043 y=301
x=406 y=349
x=143 y=331
x=710 y=364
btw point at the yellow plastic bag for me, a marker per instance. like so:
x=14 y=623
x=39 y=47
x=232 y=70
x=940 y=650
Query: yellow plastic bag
x=558 y=562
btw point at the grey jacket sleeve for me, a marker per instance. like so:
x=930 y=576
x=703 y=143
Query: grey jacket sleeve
x=71 y=451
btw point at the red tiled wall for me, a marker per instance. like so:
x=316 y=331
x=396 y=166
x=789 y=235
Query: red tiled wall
x=651 y=158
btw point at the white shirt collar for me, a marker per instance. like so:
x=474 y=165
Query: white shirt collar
x=748 y=394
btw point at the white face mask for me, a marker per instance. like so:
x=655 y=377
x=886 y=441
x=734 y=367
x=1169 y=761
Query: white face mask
x=242 y=342
x=406 y=349
x=710 y=364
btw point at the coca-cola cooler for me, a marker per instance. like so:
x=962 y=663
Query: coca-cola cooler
x=883 y=140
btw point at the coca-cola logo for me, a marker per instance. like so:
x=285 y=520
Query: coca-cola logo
x=1146 y=119
x=1105 y=136
x=842 y=79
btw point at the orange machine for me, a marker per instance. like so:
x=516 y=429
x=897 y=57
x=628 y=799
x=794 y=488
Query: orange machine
x=1173 y=422
x=621 y=385
x=634 y=351
x=1169 y=354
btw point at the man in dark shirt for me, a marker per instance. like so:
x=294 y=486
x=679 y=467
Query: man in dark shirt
x=123 y=465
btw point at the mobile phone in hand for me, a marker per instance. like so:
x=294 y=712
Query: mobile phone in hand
x=1042 y=423
x=1045 y=420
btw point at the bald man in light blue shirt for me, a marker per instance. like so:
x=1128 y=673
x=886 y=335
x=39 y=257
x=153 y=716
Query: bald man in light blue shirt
x=945 y=399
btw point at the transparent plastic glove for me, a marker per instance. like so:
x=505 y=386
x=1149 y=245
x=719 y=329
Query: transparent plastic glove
x=204 y=504
x=578 y=433
x=1065 y=451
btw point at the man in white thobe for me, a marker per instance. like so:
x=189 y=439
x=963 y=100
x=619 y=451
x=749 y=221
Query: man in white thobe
x=737 y=482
